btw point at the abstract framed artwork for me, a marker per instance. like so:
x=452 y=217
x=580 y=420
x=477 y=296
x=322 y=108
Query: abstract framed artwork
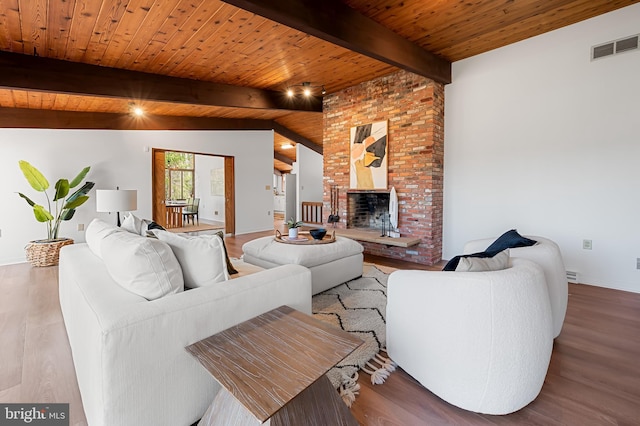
x=369 y=163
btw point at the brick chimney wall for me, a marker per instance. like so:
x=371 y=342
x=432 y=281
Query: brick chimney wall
x=414 y=109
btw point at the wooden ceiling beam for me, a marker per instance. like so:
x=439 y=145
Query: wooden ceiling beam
x=25 y=118
x=282 y=158
x=53 y=119
x=335 y=22
x=26 y=72
x=295 y=137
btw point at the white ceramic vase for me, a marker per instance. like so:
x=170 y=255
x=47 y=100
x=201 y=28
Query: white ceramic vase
x=293 y=233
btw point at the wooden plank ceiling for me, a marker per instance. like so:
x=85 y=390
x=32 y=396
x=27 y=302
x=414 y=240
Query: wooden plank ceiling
x=212 y=41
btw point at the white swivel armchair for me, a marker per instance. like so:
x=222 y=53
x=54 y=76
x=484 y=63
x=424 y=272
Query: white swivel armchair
x=481 y=341
x=545 y=253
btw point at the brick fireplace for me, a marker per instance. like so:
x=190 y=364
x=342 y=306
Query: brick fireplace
x=414 y=109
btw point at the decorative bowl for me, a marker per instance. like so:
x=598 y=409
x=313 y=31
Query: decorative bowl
x=318 y=233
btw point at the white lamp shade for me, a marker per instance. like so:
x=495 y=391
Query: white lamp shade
x=116 y=200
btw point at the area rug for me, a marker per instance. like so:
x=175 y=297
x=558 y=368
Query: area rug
x=358 y=307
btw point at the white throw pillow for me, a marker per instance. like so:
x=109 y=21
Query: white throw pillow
x=96 y=232
x=482 y=264
x=202 y=257
x=132 y=223
x=144 y=266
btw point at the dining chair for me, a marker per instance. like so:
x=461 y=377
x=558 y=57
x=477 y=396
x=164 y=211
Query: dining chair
x=191 y=211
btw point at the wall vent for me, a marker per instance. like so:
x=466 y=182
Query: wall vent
x=572 y=276
x=626 y=44
x=614 y=47
x=603 y=50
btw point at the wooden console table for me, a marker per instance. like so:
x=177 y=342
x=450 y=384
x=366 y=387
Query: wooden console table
x=272 y=367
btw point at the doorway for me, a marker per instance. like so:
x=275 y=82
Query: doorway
x=221 y=184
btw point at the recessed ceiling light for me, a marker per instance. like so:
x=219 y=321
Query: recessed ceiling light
x=286 y=146
x=138 y=111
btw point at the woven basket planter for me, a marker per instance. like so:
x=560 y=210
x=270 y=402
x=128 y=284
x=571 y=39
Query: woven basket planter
x=45 y=252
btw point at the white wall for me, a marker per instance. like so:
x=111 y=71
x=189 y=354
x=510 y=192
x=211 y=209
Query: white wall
x=209 y=204
x=309 y=176
x=539 y=138
x=119 y=158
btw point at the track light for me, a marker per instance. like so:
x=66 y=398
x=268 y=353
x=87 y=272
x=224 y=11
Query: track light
x=308 y=89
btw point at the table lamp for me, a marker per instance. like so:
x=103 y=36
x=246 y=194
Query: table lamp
x=116 y=200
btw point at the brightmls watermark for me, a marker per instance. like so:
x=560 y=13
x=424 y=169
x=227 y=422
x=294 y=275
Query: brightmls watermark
x=34 y=414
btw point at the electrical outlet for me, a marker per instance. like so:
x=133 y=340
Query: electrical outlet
x=81 y=227
x=587 y=244
x=1 y=236
x=215 y=212
x=638 y=263
x=269 y=213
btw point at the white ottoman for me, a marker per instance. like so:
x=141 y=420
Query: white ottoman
x=330 y=264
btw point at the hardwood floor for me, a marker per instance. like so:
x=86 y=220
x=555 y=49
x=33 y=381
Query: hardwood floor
x=593 y=379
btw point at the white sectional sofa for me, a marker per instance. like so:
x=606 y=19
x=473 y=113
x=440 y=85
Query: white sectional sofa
x=128 y=352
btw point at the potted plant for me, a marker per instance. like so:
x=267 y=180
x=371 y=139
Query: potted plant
x=293 y=228
x=61 y=207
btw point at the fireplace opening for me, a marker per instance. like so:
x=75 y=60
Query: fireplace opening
x=367 y=210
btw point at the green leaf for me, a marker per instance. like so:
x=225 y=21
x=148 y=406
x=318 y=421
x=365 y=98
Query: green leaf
x=76 y=181
x=67 y=214
x=76 y=202
x=62 y=189
x=83 y=190
x=33 y=176
x=31 y=203
x=41 y=214
x=291 y=223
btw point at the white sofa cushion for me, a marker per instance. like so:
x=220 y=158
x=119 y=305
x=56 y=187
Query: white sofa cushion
x=96 y=232
x=202 y=257
x=144 y=266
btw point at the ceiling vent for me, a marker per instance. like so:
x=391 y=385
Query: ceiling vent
x=614 y=47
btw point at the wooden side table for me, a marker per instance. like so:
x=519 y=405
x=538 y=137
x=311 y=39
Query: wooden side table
x=272 y=367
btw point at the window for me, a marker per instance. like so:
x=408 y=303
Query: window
x=179 y=172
